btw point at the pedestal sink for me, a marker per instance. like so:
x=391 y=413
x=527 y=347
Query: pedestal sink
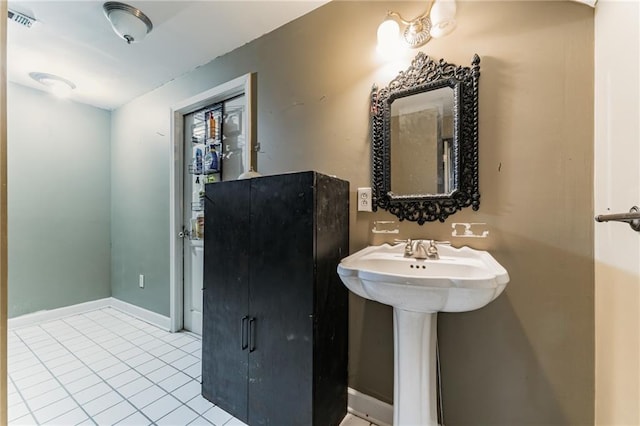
x=462 y=279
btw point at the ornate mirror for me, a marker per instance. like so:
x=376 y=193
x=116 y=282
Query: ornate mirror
x=425 y=140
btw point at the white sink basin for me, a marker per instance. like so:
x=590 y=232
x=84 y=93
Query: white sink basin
x=461 y=280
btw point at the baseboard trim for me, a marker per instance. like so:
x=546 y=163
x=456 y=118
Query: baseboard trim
x=36 y=318
x=58 y=313
x=143 y=314
x=369 y=408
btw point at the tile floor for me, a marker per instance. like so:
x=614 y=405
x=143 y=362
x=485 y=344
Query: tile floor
x=105 y=367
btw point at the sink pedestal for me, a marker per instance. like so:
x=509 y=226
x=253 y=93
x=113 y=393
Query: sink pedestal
x=414 y=399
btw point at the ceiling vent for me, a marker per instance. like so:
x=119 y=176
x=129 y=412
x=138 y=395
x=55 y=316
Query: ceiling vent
x=21 y=19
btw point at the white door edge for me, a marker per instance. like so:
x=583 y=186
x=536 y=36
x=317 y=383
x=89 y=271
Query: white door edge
x=237 y=86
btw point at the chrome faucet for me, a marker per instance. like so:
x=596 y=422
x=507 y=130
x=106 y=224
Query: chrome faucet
x=421 y=252
x=418 y=249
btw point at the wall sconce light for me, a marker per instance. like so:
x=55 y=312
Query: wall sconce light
x=127 y=21
x=60 y=87
x=437 y=21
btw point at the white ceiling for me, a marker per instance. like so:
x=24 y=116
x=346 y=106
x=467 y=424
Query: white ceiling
x=74 y=40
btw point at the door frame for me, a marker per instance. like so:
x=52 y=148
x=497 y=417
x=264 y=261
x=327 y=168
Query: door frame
x=243 y=84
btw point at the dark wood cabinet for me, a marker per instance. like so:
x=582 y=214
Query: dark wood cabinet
x=274 y=342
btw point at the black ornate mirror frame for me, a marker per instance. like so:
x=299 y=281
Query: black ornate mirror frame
x=423 y=75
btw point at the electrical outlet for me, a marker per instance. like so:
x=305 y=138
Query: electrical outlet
x=141 y=281
x=364 y=199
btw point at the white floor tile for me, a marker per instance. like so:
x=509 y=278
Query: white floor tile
x=152 y=343
x=115 y=414
x=83 y=383
x=114 y=370
x=51 y=411
x=147 y=396
x=56 y=362
x=74 y=375
x=117 y=345
x=40 y=389
x=235 y=422
x=217 y=416
x=194 y=371
x=123 y=378
x=200 y=421
x=174 y=382
x=161 y=407
x=180 y=416
x=161 y=350
x=139 y=359
x=161 y=373
x=200 y=404
x=103 y=363
x=130 y=353
x=14 y=398
x=47 y=356
x=27 y=420
x=184 y=362
x=33 y=380
x=47 y=345
x=66 y=367
x=188 y=392
x=192 y=347
x=102 y=403
x=144 y=339
x=183 y=340
x=16 y=411
x=136 y=419
x=25 y=360
x=150 y=366
x=27 y=372
x=134 y=387
x=47 y=398
x=91 y=393
x=172 y=356
x=124 y=346
x=72 y=417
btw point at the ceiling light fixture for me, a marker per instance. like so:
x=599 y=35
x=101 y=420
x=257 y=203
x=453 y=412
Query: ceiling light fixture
x=60 y=87
x=127 y=21
x=437 y=21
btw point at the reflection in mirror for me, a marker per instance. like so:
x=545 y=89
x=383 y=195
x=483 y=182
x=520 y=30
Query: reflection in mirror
x=425 y=141
x=421 y=136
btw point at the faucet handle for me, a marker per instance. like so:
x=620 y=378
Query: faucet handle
x=408 y=248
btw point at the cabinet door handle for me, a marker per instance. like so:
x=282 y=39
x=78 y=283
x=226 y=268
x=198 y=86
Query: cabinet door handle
x=243 y=333
x=252 y=334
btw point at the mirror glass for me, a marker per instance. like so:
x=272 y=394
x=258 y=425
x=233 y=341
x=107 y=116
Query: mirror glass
x=421 y=132
x=424 y=127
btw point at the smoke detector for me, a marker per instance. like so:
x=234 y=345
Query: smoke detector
x=21 y=18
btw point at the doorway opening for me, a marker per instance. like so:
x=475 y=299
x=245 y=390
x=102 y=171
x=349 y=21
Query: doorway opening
x=212 y=140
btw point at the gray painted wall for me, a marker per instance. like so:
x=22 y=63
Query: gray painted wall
x=58 y=201
x=528 y=357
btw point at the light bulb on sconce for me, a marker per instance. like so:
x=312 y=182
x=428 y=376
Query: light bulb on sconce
x=388 y=40
x=437 y=21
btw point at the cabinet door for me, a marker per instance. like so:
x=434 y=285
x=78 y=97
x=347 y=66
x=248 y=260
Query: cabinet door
x=281 y=300
x=224 y=360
